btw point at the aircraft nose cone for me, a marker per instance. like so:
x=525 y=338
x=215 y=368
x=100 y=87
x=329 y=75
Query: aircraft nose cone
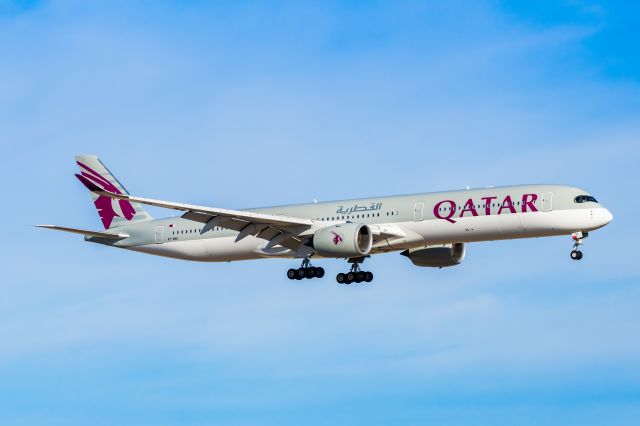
x=603 y=216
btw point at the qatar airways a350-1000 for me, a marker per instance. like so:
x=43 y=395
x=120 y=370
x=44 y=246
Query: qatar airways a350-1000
x=431 y=229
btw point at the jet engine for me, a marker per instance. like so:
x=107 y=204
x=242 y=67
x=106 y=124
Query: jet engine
x=344 y=240
x=439 y=256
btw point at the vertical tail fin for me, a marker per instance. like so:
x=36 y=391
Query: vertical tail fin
x=113 y=213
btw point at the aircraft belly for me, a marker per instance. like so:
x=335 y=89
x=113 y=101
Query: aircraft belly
x=187 y=250
x=506 y=226
x=557 y=222
x=228 y=249
x=223 y=249
x=501 y=227
x=471 y=229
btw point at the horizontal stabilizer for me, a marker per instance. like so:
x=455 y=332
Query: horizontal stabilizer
x=105 y=235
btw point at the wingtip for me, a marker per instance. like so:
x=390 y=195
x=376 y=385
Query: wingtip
x=44 y=226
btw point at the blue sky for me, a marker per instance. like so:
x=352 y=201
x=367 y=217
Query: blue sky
x=242 y=104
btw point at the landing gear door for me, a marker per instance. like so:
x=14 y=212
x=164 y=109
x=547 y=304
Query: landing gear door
x=159 y=234
x=547 y=202
x=418 y=212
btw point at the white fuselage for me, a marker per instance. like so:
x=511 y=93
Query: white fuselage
x=404 y=222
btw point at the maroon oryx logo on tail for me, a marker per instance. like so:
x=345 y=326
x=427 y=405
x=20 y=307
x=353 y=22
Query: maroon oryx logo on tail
x=337 y=239
x=90 y=178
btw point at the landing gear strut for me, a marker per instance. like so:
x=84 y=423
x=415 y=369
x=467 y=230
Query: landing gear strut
x=305 y=271
x=576 y=254
x=355 y=275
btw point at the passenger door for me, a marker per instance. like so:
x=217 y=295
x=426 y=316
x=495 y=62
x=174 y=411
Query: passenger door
x=418 y=212
x=547 y=201
x=159 y=234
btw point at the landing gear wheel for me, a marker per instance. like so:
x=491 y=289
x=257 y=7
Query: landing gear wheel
x=576 y=255
x=310 y=272
x=320 y=272
x=301 y=273
x=360 y=276
x=340 y=278
x=368 y=277
x=291 y=274
x=351 y=277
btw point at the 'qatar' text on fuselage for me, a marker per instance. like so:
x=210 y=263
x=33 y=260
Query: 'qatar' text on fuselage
x=447 y=209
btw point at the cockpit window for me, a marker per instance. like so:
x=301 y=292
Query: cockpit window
x=584 y=199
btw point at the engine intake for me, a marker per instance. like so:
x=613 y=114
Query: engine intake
x=345 y=240
x=439 y=256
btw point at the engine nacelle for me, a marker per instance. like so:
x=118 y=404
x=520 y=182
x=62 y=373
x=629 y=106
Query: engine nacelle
x=439 y=256
x=344 y=240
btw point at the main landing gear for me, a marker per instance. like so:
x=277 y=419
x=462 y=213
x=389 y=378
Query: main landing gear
x=305 y=271
x=355 y=275
x=576 y=254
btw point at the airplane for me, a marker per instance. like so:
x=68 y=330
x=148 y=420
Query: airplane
x=431 y=229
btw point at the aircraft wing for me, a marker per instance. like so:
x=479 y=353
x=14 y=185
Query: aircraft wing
x=276 y=229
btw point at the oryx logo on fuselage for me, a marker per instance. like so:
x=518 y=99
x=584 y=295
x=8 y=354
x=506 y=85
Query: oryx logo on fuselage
x=337 y=238
x=103 y=203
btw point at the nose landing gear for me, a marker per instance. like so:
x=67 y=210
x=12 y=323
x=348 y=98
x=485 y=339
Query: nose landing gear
x=576 y=254
x=305 y=271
